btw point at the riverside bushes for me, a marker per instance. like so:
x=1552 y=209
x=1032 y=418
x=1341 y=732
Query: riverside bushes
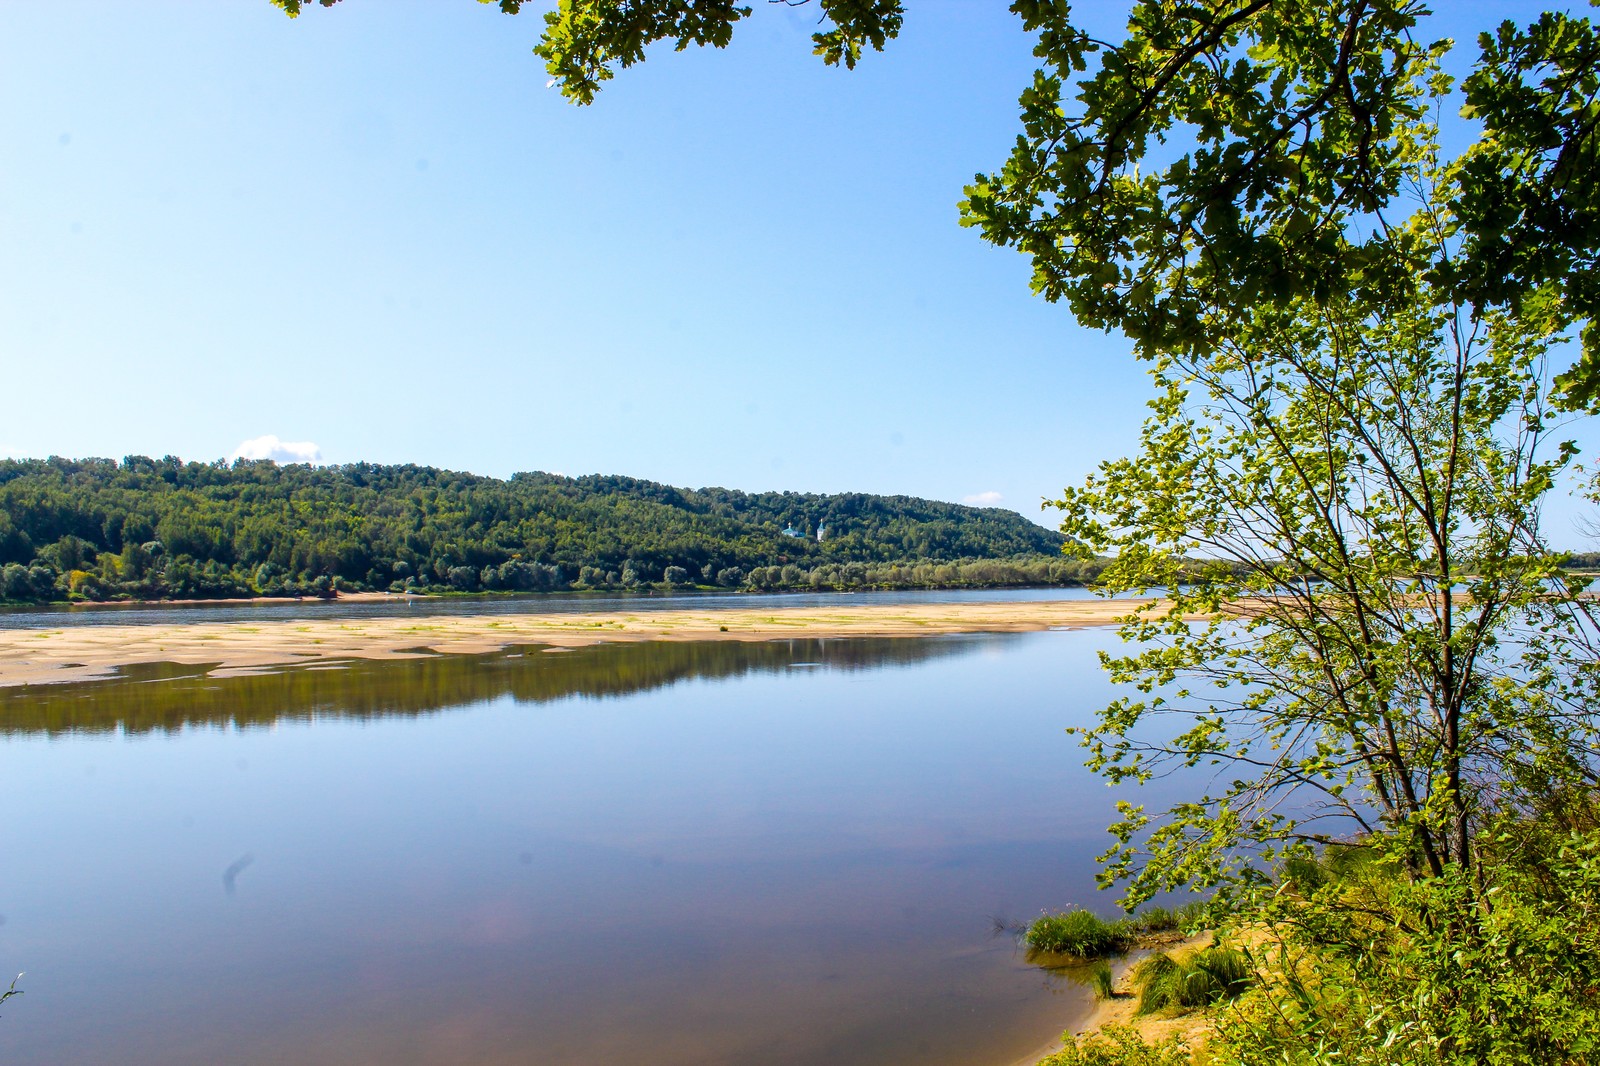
x=1078 y=932
x=1190 y=979
x=1118 y=1045
x=1085 y=934
x=1375 y=967
x=1357 y=961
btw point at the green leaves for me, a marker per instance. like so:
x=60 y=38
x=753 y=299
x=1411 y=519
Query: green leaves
x=586 y=41
x=1232 y=153
x=1288 y=122
x=1381 y=641
x=1489 y=966
x=292 y=7
x=1530 y=187
x=856 y=24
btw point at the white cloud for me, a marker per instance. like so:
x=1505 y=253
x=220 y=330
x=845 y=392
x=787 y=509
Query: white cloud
x=279 y=451
x=983 y=499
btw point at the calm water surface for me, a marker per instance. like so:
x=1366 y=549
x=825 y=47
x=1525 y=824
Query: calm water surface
x=783 y=853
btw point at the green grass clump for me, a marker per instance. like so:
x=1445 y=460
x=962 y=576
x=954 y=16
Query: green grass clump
x=1085 y=934
x=1078 y=932
x=1190 y=979
x=1119 y=1045
x=1192 y=915
x=1304 y=872
x=1154 y=920
x=1101 y=981
x=1336 y=865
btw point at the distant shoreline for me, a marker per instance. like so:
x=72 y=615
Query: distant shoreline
x=228 y=601
x=451 y=596
x=70 y=653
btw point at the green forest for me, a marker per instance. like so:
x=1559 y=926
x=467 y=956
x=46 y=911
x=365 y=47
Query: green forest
x=99 y=529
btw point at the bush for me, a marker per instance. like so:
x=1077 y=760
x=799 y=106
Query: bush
x=1193 y=916
x=1154 y=920
x=1390 y=970
x=27 y=583
x=1078 y=932
x=1085 y=934
x=1102 y=981
x=1118 y=1045
x=1190 y=979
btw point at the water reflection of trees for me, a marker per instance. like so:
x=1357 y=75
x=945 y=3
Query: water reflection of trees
x=167 y=697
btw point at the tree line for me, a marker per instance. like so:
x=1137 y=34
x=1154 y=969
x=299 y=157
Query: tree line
x=141 y=528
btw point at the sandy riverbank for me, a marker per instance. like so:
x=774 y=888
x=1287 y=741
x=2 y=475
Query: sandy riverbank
x=1099 y=1015
x=43 y=656
x=1192 y=1028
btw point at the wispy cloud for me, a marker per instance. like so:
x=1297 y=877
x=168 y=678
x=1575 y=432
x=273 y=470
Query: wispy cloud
x=983 y=499
x=279 y=451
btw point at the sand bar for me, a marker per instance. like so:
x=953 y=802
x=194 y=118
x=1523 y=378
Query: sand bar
x=80 y=653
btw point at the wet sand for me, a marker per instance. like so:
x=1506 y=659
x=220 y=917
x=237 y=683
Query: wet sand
x=45 y=656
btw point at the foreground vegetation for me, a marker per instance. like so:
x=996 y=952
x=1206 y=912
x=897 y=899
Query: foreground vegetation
x=1358 y=357
x=143 y=528
x=1353 y=960
x=1187 y=980
x=1086 y=935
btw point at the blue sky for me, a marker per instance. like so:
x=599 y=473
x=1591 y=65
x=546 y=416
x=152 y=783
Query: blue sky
x=375 y=230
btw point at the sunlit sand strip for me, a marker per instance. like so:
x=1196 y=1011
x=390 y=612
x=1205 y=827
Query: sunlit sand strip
x=41 y=656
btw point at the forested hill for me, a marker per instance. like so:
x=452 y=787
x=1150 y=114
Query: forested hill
x=151 y=528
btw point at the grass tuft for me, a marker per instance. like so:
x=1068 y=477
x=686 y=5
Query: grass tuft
x=1190 y=979
x=1085 y=934
x=1120 y=1045
x=1078 y=932
x=1101 y=981
x=1193 y=916
x=1155 y=920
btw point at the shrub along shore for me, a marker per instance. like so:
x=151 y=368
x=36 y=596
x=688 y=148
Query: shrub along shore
x=1349 y=956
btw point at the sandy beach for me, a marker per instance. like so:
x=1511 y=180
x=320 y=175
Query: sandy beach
x=1098 y=1015
x=45 y=656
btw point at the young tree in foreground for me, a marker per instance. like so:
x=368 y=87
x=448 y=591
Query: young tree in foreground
x=1383 y=669
x=1388 y=646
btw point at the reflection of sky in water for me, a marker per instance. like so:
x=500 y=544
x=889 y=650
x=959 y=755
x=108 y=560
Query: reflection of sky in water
x=763 y=864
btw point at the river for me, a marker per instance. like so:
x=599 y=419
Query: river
x=789 y=853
